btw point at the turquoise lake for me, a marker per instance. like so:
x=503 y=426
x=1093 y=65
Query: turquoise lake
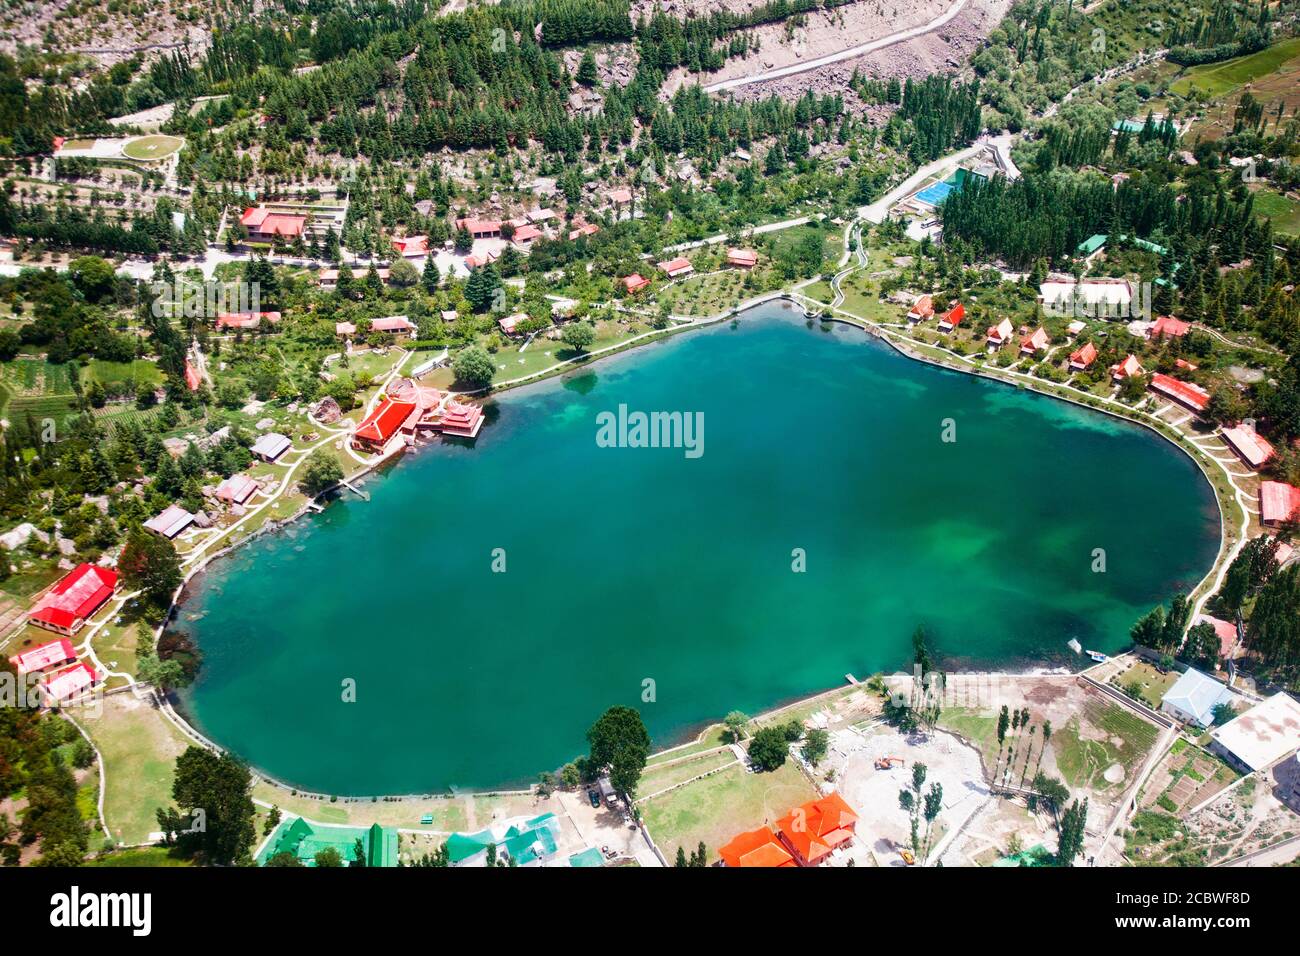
x=632 y=564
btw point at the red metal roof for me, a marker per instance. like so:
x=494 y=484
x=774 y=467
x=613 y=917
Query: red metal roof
x=52 y=654
x=1167 y=325
x=1085 y=356
x=383 y=423
x=742 y=257
x=1188 y=394
x=954 y=315
x=1253 y=449
x=69 y=682
x=635 y=281
x=78 y=595
x=818 y=827
x=923 y=308
x=1278 y=501
x=757 y=848
x=675 y=265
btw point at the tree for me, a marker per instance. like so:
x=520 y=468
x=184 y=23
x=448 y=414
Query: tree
x=165 y=675
x=816 y=746
x=329 y=857
x=149 y=564
x=1073 y=822
x=284 y=858
x=358 y=854
x=431 y=277
x=737 y=724
x=473 y=366
x=321 y=470
x=578 y=336
x=1202 y=646
x=402 y=274
x=620 y=742
x=217 y=792
x=933 y=804
x=768 y=748
x=1223 y=713
x=910 y=801
x=587 y=74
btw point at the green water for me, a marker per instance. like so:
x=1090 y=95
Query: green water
x=628 y=564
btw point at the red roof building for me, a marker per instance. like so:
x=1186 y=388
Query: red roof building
x=464 y=421
x=192 y=379
x=383 y=422
x=635 y=282
x=1225 y=631
x=525 y=234
x=266 y=226
x=68 y=683
x=1167 y=327
x=1249 y=446
x=742 y=258
x=952 y=318
x=617 y=196
x=757 y=848
x=1081 y=358
x=1035 y=341
x=54 y=654
x=586 y=229
x=1000 y=334
x=480 y=228
x=681 y=266
x=921 y=310
x=509 y=323
x=78 y=595
x=417 y=247
x=237 y=489
x=812 y=831
x=395 y=324
x=1130 y=366
x=1184 y=364
x=1184 y=393
x=1278 y=501
x=245 y=320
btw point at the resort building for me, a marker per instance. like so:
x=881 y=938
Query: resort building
x=412 y=247
x=526 y=235
x=1129 y=367
x=329 y=278
x=1194 y=696
x=170 y=522
x=1248 y=445
x=304 y=840
x=1225 y=631
x=1262 y=736
x=344 y=329
x=815 y=830
x=54 y=654
x=480 y=228
x=1074 y=328
x=1034 y=342
x=384 y=421
x=480 y=259
x=509 y=323
x=236 y=489
x=67 y=684
x=536 y=215
x=531 y=842
x=263 y=225
x=70 y=603
x=398 y=325
x=757 y=848
x=619 y=196
x=586 y=229
x=271 y=446
x=1082 y=358
x=635 y=282
x=1000 y=334
x=676 y=268
x=1167 y=327
x=742 y=258
x=1186 y=394
x=921 y=309
x=462 y=421
x=246 y=320
x=952 y=318
x=1278 y=501
x=1100 y=297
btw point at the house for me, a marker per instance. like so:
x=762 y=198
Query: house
x=70 y=603
x=1000 y=334
x=1082 y=358
x=480 y=259
x=742 y=258
x=328 y=279
x=1074 y=328
x=1225 y=631
x=304 y=840
x=526 y=235
x=757 y=848
x=1130 y=366
x=634 y=283
x=1184 y=393
x=398 y=325
x=69 y=683
x=1248 y=445
x=813 y=831
x=237 y=489
x=463 y=421
x=509 y=323
x=680 y=266
x=263 y=225
x=952 y=318
x=413 y=247
x=1093 y=244
x=1034 y=342
x=619 y=196
x=1194 y=696
x=1185 y=365
x=530 y=842
x=271 y=446
x=245 y=320
x=54 y=654
x=586 y=229
x=480 y=228
x=921 y=309
x=1262 y=736
x=1278 y=501
x=1167 y=327
x=384 y=421
x=536 y=215
x=344 y=329
x=1103 y=297
x=192 y=379
x=170 y=522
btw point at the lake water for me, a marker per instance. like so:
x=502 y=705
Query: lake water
x=625 y=565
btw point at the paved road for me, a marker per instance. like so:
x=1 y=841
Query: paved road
x=850 y=53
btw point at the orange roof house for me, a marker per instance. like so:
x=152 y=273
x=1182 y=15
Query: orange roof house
x=1080 y=359
x=1184 y=393
x=813 y=830
x=952 y=318
x=414 y=246
x=742 y=258
x=1167 y=327
x=1130 y=366
x=757 y=848
x=999 y=334
x=619 y=195
x=245 y=320
x=681 y=266
x=382 y=423
x=1250 y=447
x=192 y=379
x=635 y=282
x=480 y=228
x=266 y=226
x=585 y=229
x=78 y=595
x=1278 y=501
x=1034 y=341
x=463 y=421
x=922 y=309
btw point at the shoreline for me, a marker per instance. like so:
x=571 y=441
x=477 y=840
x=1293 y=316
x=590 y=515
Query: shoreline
x=796 y=300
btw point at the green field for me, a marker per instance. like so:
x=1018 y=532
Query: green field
x=113 y=375
x=152 y=147
x=37 y=388
x=1216 y=79
x=1282 y=211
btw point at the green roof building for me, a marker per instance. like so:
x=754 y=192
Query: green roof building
x=529 y=843
x=305 y=840
x=1091 y=244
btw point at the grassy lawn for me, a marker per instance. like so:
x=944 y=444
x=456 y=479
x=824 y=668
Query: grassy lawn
x=544 y=353
x=139 y=747
x=713 y=736
x=1283 y=211
x=1154 y=685
x=35 y=387
x=981 y=729
x=1217 y=79
x=152 y=147
x=1113 y=735
x=715 y=809
x=710 y=294
x=669 y=775
x=143 y=372
x=449 y=813
x=141 y=856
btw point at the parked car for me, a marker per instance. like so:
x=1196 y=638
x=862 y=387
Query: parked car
x=594 y=798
